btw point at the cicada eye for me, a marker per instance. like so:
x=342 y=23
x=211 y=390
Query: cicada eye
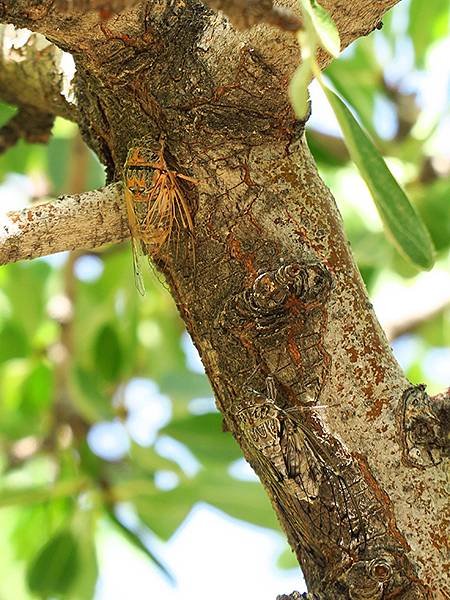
x=137 y=189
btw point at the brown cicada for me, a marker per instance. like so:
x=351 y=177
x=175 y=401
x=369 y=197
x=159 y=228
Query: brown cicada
x=155 y=202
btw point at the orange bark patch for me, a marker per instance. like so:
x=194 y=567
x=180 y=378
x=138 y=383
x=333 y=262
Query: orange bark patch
x=376 y=409
x=294 y=351
x=247 y=259
x=440 y=538
x=383 y=499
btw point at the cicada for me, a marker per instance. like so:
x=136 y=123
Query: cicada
x=155 y=202
x=282 y=443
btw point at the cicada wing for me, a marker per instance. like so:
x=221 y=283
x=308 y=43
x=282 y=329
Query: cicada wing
x=302 y=464
x=136 y=248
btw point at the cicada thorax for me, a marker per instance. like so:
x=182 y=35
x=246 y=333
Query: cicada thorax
x=258 y=419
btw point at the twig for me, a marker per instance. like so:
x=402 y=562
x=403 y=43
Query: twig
x=410 y=322
x=76 y=222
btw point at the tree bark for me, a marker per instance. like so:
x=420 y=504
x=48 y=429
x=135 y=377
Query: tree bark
x=267 y=286
x=78 y=222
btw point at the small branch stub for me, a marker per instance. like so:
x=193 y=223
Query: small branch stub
x=75 y=222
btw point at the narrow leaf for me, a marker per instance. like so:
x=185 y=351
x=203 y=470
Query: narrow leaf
x=163 y=512
x=401 y=221
x=324 y=26
x=298 y=88
x=108 y=353
x=136 y=541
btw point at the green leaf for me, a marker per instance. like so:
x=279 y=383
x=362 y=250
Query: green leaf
x=36 y=522
x=13 y=374
x=427 y=22
x=433 y=204
x=13 y=341
x=244 y=500
x=163 y=512
x=84 y=528
x=108 y=353
x=136 y=541
x=298 y=88
x=404 y=226
x=55 y=566
x=357 y=78
x=90 y=399
x=323 y=25
x=26 y=290
x=37 y=391
x=204 y=436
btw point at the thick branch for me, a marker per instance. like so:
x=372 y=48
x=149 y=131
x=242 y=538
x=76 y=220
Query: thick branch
x=353 y=20
x=76 y=222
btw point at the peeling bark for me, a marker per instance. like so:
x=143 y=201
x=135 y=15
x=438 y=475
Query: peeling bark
x=267 y=286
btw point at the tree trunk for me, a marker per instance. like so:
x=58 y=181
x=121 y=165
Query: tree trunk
x=350 y=454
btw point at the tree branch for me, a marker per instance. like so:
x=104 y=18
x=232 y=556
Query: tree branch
x=73 y=222
x=410 y=322
x=243 y=14
x=28 y=124
x=353 y=21
x=35 y=74
x=272 y=300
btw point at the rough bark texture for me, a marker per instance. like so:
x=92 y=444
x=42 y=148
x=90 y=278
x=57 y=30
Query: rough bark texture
x=267 y=286
x=87 y=221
